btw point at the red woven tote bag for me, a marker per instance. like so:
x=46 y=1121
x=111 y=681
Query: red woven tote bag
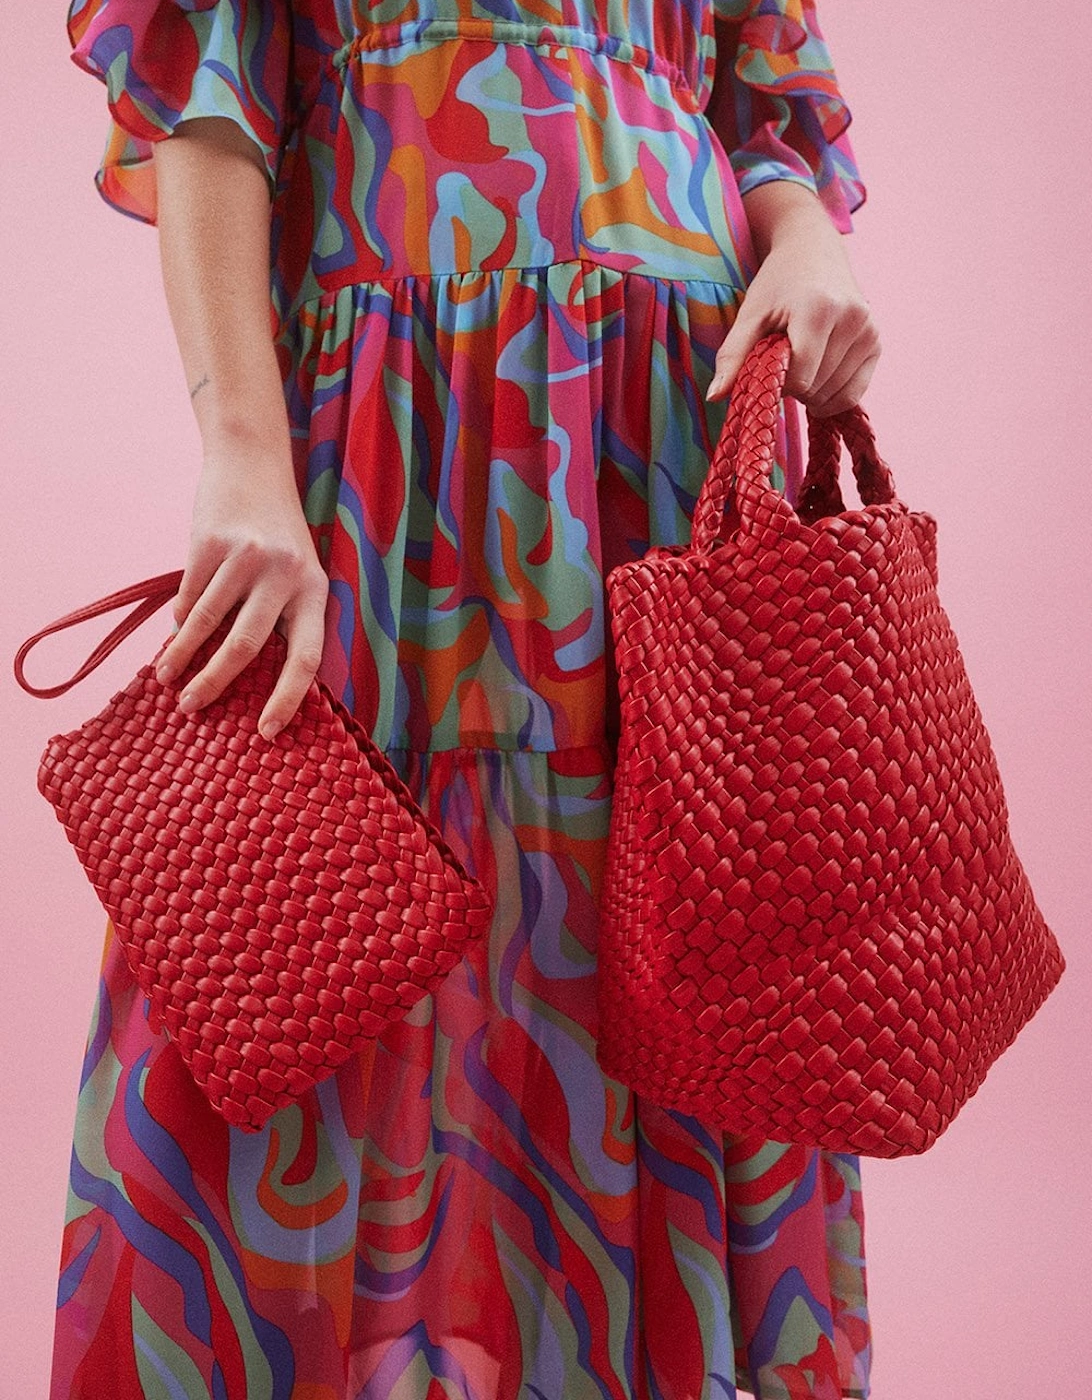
x=280 y=902
x=814 y=924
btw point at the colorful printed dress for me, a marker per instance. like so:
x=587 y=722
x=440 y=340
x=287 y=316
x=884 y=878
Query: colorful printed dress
x=507 y=241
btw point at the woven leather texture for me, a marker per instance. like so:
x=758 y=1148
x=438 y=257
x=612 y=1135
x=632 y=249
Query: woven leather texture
x=815 y=926
x=280 y=902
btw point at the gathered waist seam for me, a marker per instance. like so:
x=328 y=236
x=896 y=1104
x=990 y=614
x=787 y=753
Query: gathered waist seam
x=384 y=38
x=388 y=281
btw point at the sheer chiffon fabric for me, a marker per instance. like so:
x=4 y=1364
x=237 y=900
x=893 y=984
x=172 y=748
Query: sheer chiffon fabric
x=507 y=242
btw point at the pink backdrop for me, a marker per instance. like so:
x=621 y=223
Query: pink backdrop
x=973 y=250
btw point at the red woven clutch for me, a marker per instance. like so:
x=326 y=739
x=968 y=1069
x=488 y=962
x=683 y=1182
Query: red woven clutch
x=815 y=926
x=280 y=902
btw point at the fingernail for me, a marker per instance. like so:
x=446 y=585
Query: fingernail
x=165 y=672
x=270 y=728
x=189 y=702
x=715 y=388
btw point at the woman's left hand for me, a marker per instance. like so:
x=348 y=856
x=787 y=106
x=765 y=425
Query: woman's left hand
x=805 y=287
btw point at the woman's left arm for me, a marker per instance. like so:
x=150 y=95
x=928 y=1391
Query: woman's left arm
x=778 y=110
x=805 y=287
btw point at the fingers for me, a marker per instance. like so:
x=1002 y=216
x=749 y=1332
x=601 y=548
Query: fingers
x=253 y=623
x=267 y=591
x=848 y=391
x=199 y=571
x=305 y=632
x=834 y=351
x=208 y=592
x=747 y=329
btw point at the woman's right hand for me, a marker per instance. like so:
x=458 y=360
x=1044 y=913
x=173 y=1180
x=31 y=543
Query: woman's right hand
x=250 y=546
x=250 y=543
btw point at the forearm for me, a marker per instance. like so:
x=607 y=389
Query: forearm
x=251 y=549
x=214 y=249
x=782 y=209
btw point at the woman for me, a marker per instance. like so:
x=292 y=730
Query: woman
x=506 y=258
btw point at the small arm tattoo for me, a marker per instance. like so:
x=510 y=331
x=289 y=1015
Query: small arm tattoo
x=198 y=387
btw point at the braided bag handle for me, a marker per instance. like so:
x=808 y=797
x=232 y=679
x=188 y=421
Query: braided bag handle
x=149 y=595
x=743 y=459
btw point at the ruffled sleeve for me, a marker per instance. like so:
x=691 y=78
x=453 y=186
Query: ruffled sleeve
x=167 y=61
x=776 y=106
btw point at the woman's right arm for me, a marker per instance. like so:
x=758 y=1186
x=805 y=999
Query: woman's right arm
x=250 y=544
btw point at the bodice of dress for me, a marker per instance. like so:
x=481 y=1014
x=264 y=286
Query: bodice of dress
x=514 y=135
x=672 y=40
x=405 y=139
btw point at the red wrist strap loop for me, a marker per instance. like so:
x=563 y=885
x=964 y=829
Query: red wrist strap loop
x=149 y=595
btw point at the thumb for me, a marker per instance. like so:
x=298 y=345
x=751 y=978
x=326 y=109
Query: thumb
x=746 y=330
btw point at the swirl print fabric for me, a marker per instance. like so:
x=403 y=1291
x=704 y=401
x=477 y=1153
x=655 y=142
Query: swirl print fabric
x=507 y=241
